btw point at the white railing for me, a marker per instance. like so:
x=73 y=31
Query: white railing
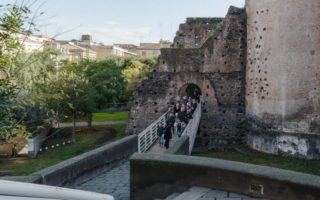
x=10 y=190
x=149 y=135
x=192 y=127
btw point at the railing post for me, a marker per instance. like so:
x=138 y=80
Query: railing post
x=139 y=145
x=149 y=134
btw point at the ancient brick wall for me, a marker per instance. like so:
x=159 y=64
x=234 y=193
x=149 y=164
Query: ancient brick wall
x=258 y=71
x=181 y=60
x=283 y=93
x=195 y=32
x=219 y=75
x=224 y=65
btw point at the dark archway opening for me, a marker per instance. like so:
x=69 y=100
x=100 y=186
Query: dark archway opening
x=191 y=90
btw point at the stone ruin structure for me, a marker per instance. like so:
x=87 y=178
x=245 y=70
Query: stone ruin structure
x=283 y=76
x=258 y=73
x=209 y=53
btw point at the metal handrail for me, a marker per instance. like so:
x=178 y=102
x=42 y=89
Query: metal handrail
x=149 y=135
x=192 y=127
x=17 y=190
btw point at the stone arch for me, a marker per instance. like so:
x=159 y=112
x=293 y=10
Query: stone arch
x=182 y=80
x=191 y=90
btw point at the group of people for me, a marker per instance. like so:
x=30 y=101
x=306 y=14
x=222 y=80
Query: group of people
x=176 y=120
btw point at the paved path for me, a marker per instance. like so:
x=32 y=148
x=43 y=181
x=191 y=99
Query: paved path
x=157 y=149
x=114 y=182
x=70 y=124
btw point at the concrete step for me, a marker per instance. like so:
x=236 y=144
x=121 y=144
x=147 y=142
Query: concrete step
x=199 y=193
x=194 y=193
x=172 y=196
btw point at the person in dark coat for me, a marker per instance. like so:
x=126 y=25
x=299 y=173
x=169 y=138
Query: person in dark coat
x=170 y=119
x=160 y=132
x=176 y=108
x=182 y=115
x=184 y=100
x=189 y=115
x=167 y=136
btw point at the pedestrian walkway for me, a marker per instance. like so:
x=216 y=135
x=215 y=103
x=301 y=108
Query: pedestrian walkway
x=114 y=182
x=70 y=124
x=157 y=149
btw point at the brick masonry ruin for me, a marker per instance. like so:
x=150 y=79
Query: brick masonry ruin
x=258 y=71
x=207 y=52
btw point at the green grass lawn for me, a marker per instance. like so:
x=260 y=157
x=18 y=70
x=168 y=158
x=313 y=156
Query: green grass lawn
x=85 y=140
x=250 y=156
x=110 y=116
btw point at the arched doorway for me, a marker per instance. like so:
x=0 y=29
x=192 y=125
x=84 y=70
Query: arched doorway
x=191 y=90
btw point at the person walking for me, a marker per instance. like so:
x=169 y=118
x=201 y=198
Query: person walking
x=176 y=108
x=160 y=133
x=170 y=118
x=167 y=136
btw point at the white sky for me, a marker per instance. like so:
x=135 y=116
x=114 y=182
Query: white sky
x=122 y=21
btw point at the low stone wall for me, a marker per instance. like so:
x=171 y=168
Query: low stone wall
x=289 y=144
x=157 y=176
x=181 y=147
x=69 y=170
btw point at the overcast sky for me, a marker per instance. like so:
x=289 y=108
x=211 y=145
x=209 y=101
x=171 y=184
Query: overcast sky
x=123 y=21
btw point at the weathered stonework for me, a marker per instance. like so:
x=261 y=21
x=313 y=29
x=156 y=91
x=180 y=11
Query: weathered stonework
x=258 y=71
x=195 y=32
x=282 y=90
x=217 y=67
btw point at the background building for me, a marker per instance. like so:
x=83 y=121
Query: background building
x=119 y=49
x=74 y=52
x=33 y=43
x=152 y=49
x=86 y=48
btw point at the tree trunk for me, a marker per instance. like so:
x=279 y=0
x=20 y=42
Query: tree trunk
x=74 y=127
x=90 y=121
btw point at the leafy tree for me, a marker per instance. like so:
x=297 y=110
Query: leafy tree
x=134 y=74
x=12 y=19
x=121 y=62
x=7 y=94
x=150 y=62
x=134 y=70
x=19 y=72
x=106 y=77
x=69 y=95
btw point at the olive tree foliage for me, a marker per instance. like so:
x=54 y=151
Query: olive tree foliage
x=12 y=20
x=107 y=79
x=135 y=71
x=68 y=95
x=18 y=72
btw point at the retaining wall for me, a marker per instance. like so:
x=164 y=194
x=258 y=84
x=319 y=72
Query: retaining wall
x=181 y=147
x=157 y=176
x=69 y=170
